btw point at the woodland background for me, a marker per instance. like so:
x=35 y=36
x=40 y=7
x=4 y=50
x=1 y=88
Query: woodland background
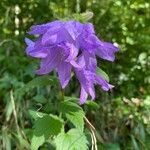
x=121 y=117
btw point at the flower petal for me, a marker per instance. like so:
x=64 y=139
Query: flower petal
x=105 y=86
x=30 y=45
x=73 y=52
x=52 y=35
x=73 y=28
x=88 y=42
x=88 y=27
x=64 y=73
x=50 y=62
x=41 y=29
x=34 y=49
x=76 y=65
x=83 y=96
x=92 y=91
x=106 y=50
x=90 y=61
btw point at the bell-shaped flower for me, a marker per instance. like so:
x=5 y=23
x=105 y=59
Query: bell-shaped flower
x=88 y=78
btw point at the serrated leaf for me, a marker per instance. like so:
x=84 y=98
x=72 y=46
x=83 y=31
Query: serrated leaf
x=102 y=73
x=48 y=125
x=72 y=140
x=44 y=127
x=74 y=114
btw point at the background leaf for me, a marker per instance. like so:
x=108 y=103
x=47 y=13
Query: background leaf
x=37 y=141
x=72 y=140
x=48 y=125
x=73 y=113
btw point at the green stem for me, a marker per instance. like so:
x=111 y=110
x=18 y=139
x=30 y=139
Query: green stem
x=62 y=98
x=62 y=94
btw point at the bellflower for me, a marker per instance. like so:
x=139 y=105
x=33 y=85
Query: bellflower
x=88 y=78
x=71 y=46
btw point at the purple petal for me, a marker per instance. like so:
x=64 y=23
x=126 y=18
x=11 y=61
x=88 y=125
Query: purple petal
x=76 y=65
x=30 y=45
x=73 y=52
x=64 y=73
x=88 y=43
x=73 y=28
x=83 y=96
x=92 y=92
x=106 y=50
x=39 y=54
x=105 y=86
x=86 y=81
x=29 y=42
x=41 y=29
x=50 y=62
x=89 y=28
x=52 y=35
x=35 y=50
x=81 y=60
x=90 y=61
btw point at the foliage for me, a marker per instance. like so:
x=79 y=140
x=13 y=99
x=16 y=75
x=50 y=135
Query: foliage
x=34 y=113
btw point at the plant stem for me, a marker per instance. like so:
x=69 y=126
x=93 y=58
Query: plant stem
x=62 y=94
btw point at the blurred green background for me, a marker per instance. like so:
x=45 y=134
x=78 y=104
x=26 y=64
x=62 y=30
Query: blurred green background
x=122 y=116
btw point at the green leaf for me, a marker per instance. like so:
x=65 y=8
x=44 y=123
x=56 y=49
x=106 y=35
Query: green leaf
x=72 y=140
x=35 y=114
x=44 y=127
x=48 y=125
x=37 y=141
x=76 y=118
x=73 y=113
x=102 y=73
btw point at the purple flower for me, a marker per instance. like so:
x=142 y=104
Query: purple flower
x=88 y=78
x=71 y=46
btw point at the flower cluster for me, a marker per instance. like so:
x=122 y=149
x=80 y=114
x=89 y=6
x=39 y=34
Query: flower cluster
x=71 y=46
